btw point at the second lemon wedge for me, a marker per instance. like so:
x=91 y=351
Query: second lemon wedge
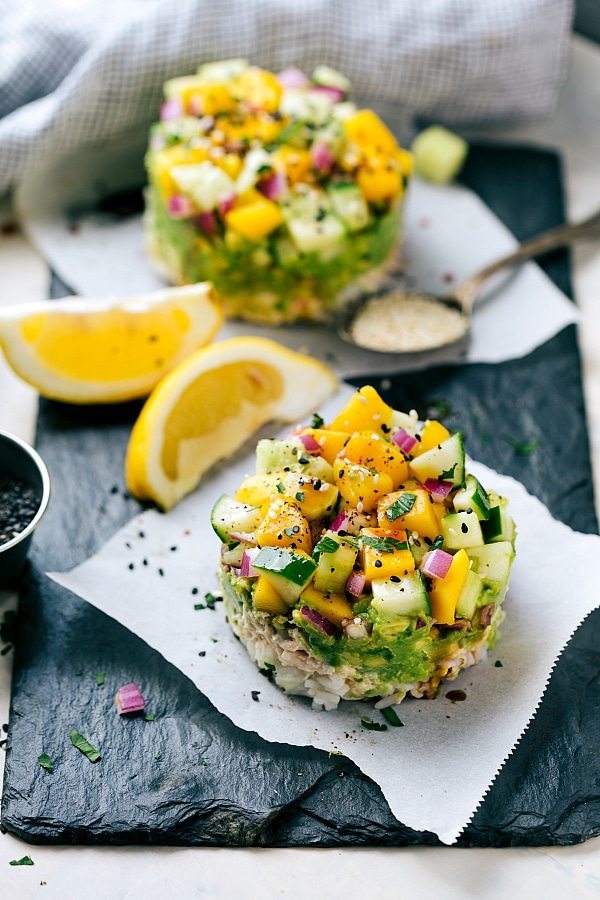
x=210 y=404
x=105 y=351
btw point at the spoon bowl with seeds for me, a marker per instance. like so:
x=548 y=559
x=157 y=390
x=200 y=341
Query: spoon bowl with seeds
x=401 y=320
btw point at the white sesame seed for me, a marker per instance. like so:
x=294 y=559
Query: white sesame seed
x=376 y=417
x=362 y=398
x=360 y=506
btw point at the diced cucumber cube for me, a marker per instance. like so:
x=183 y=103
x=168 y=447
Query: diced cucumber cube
x=343 y=111
x=492 y=562
x=205 y=183
x=439 y=154
x=469 y=596
x=328 y=77
x=278 y=456
x=461 y=529
x=230 y=515
x=223 y=70
x=320 y=234
x=473 y=496
x=307 y=106
x=288 y=571
x=406 y=597
x=445 y=462
x=499 y=526
x=349 y=203
x=335 y=567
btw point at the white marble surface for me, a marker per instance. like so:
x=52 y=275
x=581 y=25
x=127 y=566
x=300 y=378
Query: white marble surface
x=106 y=873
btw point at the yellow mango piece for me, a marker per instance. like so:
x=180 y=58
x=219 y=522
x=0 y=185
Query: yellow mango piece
x=267 y=599
x=421 y=518
x=296 y=163
x=165 y=159
x=378 y=564
x=365 y=411
x=370 y=450
x=433 y=434
x=331 y=442
x=334 y=607
x=259 y=88
x=258 y=490
x=284 y=526
x=359 y=487
x=255 y=220
x=405 y=160
x=315 y=502
x=366 y=129
x=445 y=592
x=230 y=163
x=379 y=180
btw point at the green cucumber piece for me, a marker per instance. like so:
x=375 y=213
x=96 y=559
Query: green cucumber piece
x=223 y=70
x=469 y=596
x=328 y=77
x=439 y=154
x=473 y=496
x=499 y=526
x=323 y=234
x=350 y=205
x=289 y=572
x=334 y=568
x=407 y=597
x=230 y=515
x=279 y=456
x=445 y=462
x=492 y=562
x=461 y=529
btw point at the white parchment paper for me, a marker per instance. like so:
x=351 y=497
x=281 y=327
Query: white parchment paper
x=420 y=767
x=449 y=234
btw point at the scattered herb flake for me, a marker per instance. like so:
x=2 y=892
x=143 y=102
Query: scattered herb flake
x=383 y=545
x=269 y=666
x=45 y=762
x=498 y=664
x=255 y=695
x=370 y=725
x=100 y=678
x=524 y=448
x=325 y=545
x=199 y=606
x=158 y=757
x=149 y=717
x=211 y=599
x=438 y=543
x=84 y=746
x=402 y=505
x=280 y=487
x=317 y=421
x=300 y=496
x=391 y=716
x=24 y=861
x=448 y=474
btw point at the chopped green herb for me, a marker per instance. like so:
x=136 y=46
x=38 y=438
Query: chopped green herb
x=149 y=717
x=202 y=761
x=383 y=545
x=158 y=757
x=262 y=170
x=211 y=599
x=280 y=487
x=84 y=746
x=100 y=679
x=402 y=505
x=317 y=421
x=437 y=543
x=498 y=664
x=269 y=666
x=390 y=714
x=24 y=861
x=325 y=545
x=448 y=474
x=439 y=408
x=300 y=496
x=45 y=762
x=370 y=725
x=199 y=605
x=524 y=448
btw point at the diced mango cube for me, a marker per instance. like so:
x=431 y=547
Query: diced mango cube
x=284 y=526
x=165 y=159
x=379 y=180
x=296 y=163
x=433 y=433
x=231 y=163
x=259 y=88
x=255 y=220
x=361 y=488
x=267 y=599
x=372 y=451
x=366 y=129
x=364 y=411
x=420 y=518
x=383 y=564
x=445 y=592
x=331 y=442
x=258 y=490
x=208 y=99
x=334 y=607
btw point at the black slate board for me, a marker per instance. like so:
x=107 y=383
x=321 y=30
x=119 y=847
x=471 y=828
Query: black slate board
x=547 y=793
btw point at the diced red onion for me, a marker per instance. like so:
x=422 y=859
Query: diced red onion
x=207 y=222
x=246 y=537
x=171 y=109
x=460 y=624
x=439 y=490
x=180 y=207
x=335 y=94
x=436 y=563
x=129 y=699
x=227 y=203
x=322 y=157
x=318 y=620
x=237 y=572
x=485 y=616
x=340 y=523
x=404 y=440
x=247 y=570
x=420 y=623
x=310 y=443
x=273 y=186
x=356 y=584
x=292 y=78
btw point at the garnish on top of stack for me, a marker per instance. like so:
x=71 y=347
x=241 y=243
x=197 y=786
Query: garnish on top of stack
x=274 y=187
x=362 y=560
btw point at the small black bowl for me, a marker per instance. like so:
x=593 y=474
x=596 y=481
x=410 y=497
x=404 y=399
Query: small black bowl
x=19 y=459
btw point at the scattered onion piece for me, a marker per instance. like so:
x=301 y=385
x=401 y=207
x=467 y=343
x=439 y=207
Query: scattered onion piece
x=319 y=621
x=129 y=699
x=356 y=584
x=436 y=563
x=439 y=490
x=404 y=440
x=310 y=444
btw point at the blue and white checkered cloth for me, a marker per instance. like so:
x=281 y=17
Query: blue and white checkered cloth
x=81 y=73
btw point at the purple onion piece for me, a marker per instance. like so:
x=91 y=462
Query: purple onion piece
x=322 y=157
x=340 y=523
x=485 y=616
x=356 y=584
x=292 y=78
x=129 y=699
x=335 y=94
x=273 y=186
x=310 y=444
x=436 y=563
x=420 y=623
x=207 y=222
x=439 y=490
x=404 y=440
x=319 y=621
x=171 y=109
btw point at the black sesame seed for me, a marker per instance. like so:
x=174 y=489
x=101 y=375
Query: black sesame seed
x=131 y=567
x=194 y=591
x=173 y=548
x=394 y=578
x=378 y=563
x=161 y=572
x=464 y=528
x=202 y=653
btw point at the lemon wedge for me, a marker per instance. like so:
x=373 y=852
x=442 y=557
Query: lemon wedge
x=210 y=404
x=105 y=351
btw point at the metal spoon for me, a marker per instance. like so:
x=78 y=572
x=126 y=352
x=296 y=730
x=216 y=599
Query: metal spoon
x=460 y=301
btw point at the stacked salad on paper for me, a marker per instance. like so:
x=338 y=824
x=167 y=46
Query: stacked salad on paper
x=274 y=187
x=362 y=560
